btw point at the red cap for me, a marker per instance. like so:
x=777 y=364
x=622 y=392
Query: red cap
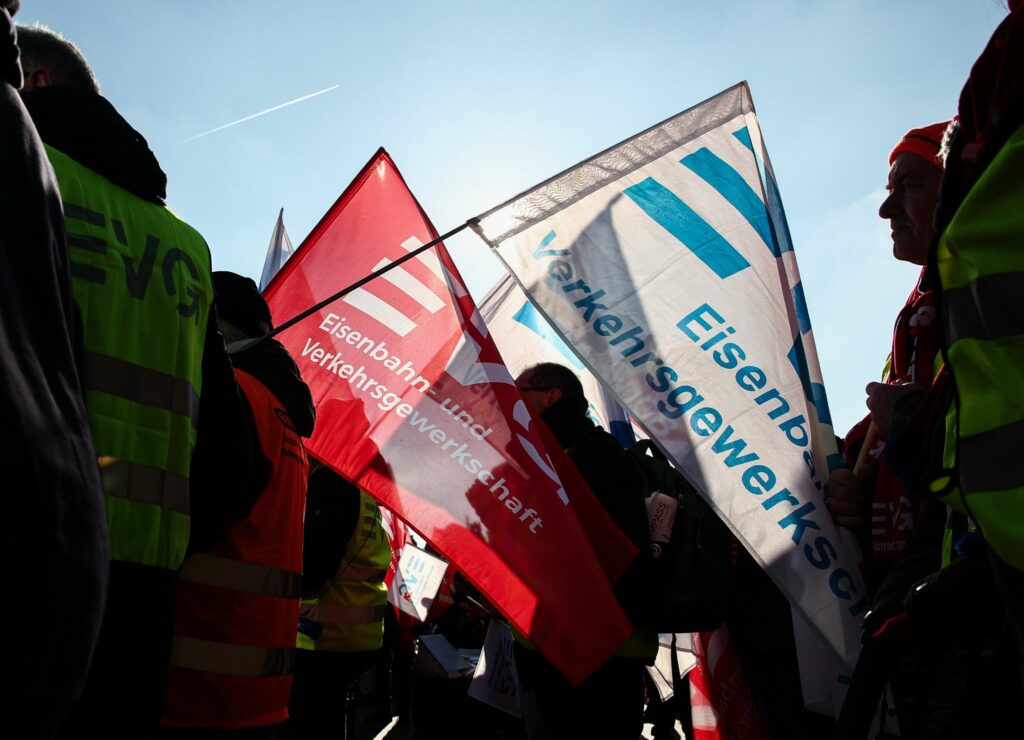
x=925 y=142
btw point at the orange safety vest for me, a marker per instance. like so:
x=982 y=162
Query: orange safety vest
x=238 y=604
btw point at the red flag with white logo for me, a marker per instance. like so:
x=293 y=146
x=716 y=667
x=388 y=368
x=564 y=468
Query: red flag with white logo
x=721 y=705
x=416 y=407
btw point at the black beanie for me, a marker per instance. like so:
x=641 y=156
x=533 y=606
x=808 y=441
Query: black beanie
x=240 y=304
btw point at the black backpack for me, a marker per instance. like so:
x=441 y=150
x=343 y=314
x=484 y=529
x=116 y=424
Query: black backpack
x=690 y=578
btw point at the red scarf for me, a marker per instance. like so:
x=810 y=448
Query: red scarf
x=915 y=343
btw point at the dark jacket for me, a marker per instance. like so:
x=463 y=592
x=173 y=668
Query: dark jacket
x=55 y=539
x=269 y=362
x=615 y=480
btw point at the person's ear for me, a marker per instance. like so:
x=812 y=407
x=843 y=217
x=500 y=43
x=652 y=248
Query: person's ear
x=554 y=395
x=37 y=78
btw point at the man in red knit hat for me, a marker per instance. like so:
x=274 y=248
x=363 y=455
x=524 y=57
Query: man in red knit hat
x=900 y=535
x=934 y=631
x=857 y=502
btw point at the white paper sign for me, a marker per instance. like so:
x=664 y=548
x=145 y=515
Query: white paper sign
x=416 y=581
x=495 y=680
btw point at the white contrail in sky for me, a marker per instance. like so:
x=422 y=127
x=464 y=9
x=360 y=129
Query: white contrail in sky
x=263 y=112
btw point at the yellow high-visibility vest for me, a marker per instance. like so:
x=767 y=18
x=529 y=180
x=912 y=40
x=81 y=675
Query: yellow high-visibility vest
x=980 y=258
x=352 y=609
x=142 y=280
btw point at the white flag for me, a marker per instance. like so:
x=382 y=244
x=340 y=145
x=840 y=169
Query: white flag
x=416 y=581
x=495 y=680
x=525 y=338
x=680 y=646
x=666 y=263
x=278 y=252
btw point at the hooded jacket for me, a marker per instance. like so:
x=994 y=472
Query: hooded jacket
x=269 y=362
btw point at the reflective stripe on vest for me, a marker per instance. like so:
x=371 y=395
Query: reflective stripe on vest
x=235 y=575
x=142 y=281
x=984 y=308
x=118 y=377
x=144 y=484
x=978 y=452
x=344 y=614
x=363 y=572
x=232 y=660
x=981 y=267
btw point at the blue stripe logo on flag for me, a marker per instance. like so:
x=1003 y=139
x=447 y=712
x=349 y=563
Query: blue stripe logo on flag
x=682 y=222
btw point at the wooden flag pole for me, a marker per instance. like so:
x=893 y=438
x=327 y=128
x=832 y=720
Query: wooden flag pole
x=864 y=462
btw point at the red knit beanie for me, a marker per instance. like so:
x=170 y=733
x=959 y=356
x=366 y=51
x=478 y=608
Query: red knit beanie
x=925 y=142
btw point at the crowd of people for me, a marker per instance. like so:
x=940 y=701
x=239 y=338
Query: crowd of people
x=156 y=435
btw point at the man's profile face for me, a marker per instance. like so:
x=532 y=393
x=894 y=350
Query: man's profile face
x=910 y=206
x=537 y=396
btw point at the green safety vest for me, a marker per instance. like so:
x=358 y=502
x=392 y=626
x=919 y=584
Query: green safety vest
x=352 y=609
x=142 y=282
x=980 y=257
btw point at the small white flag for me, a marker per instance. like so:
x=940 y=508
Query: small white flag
x=661 y=672
x=416 y=581
x=278 y=252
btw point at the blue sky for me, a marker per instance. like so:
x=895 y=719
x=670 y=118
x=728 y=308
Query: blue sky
x=478 y=101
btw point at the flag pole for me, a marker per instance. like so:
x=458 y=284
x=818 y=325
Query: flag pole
x=377 y=273
x=863 y=464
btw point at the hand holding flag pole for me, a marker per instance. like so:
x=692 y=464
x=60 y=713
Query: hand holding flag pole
x=862 y=467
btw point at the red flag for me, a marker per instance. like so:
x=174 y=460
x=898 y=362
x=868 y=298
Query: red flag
x=415 y=406
x=398 y=536
x=721 y=705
